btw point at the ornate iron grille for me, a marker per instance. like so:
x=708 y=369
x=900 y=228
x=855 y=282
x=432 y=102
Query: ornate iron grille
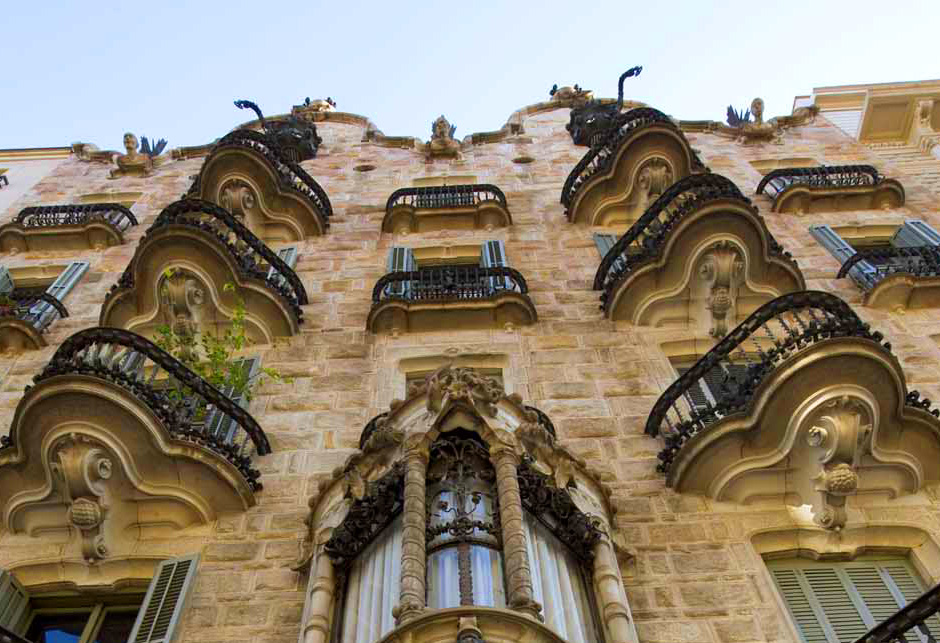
x=156 y=378
x=824 y=176
x=445 y=196
x=62 y=215
x=737 y=365
x=248 y=252
x=35 y=307
x=870 y=266
x=450 y=282
x=290 y=174
x=647 y=237
x=600 y=157
x=898 y=628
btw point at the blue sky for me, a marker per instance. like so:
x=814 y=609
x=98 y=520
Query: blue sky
x=91 y=70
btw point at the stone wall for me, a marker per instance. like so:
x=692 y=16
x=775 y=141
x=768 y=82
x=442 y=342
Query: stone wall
x=696 y=575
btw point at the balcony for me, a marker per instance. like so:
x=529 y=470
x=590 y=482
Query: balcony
x=830 y=188
x=701 y=254
x=896 y=278
x=642 y=155
x=449 y=207
x=24 y=321
x=802 y=403
x=908 y=624
x=193 y=266
x=270 y=194
x=450 y=297
x=116 y=438
x=67 y=227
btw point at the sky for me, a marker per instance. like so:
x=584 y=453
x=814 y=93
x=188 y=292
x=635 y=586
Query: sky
x=89 y=71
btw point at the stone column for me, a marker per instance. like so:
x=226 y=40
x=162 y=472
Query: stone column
x=608 y=587
x=319 y=608
x=413 y=546
x=515 y=554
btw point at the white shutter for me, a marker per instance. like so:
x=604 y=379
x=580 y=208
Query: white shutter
x=6 y=281
x=915 y=233
x=288 y=256
x=604 y=243
x=863 y=272
x=400 y=260
x=492 y=255
x=160 y=615
x=63 y=284
x=14 y=602
x=220 y=424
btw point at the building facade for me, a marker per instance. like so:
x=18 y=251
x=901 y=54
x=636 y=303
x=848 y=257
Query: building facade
x=598 y=375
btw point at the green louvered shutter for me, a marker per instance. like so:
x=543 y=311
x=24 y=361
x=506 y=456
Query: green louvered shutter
x=6 y=281
x=915 y=233
x=221 y=425
x=805 y=613
x=43 y=311
x=863 y=272
x=400 y=260
x=160 y=615
x=843 y=614
x=604 y=243
x=288 y=256
x=493 y=255
x=14 y=602
x=906 y=588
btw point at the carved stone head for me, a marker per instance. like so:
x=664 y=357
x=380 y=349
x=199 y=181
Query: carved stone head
x=442 y=129
x=131 y=144
x=757 y=110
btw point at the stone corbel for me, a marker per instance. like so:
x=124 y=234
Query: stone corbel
x=182 y=300
x=722 y=269
x=81 y=468
x=463 y=385
x=840 y=433
x=238 y=197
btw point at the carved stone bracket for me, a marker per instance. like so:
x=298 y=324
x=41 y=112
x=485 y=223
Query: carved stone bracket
x=722 y=269
x=463 y=385
x=182 y=301
x=81 y=467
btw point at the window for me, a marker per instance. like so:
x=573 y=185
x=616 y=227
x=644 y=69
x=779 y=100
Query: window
x=492 y=254
x=912 y=234
x=43 y=312
x=840 y=602
x=135 y=618
x=604 y=243
x=287 y=255
x=372 y=588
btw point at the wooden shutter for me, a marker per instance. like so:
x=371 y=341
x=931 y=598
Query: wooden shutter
x=604 y=243
x=804 y=612
x=492 y=255
x=915 y=233
x=14 y=602
x=160 y=615
x=288 y=256
x=906 y=588
x=63 y=284
x=6 y=281
x=863 y=272
x=220 y=424
x=400 y=260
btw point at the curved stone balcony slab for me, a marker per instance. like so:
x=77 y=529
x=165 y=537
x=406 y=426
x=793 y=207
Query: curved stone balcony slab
x=450 y=297
x=896 y=279
x=476 y=624
x=701 y=254
x=67 y=227
x=274 y=197
x=642 y=155
x=447 y=207
x=116 y=438
x=191 y=268
x=802 y=403
x=23 y=324
x=830 y=188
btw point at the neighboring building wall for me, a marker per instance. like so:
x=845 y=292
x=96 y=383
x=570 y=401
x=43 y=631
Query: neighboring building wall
x=24 y=171
x=696 y=576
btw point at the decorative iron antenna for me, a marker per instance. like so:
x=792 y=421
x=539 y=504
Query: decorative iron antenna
x=633 y=71
x=146 y=149
x=247 y=104
x=737 y=119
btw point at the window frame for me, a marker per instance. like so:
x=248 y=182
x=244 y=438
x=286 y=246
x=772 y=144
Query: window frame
x=97 y=609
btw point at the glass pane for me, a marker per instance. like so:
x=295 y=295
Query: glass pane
x=116 y=627
x=488 y=585
x=57 y=628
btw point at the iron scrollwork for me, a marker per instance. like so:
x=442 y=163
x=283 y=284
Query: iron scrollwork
x=589 y=123
x=295 y=138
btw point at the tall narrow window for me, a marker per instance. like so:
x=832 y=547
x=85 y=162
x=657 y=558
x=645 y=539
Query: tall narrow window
x=465 y=561
x=493 y=255
x=42 y=312
x=400 y=260
x=840 y=602
x=372 y=588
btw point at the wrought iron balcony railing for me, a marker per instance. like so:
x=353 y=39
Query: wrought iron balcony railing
x=46 y=216
x=249 y=253
x=190 y=408
x=900 y=628
x=870 y=266
x=600 y=157
x=291 y=175
x=35 y=307
x=445 y=196
x=824 y=176
x=736 y=366
x=448 y=283
x=646 y=238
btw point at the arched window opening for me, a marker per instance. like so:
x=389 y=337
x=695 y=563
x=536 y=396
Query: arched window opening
x=465 y=560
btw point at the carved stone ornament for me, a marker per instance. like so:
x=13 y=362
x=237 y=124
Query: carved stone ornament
x=81 y=468
x=759 y=131
x=238 y=197
x=442 y=143
x=132 y=162
x=463 y=385
x=182 y=301
x=722 y=269
x=573 y=95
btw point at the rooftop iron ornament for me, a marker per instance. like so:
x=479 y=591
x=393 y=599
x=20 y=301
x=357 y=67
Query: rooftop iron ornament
x=591 y=121
x=737 y=119
x=296 y=139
